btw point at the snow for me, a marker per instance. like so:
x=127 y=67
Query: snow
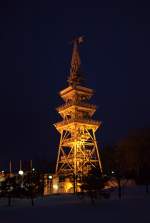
x=133 y=207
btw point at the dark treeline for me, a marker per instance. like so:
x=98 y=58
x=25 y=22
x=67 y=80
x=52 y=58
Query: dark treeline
x=29 y=185
x=130 y=157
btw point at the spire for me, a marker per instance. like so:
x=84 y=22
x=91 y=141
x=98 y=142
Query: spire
x=75 y=77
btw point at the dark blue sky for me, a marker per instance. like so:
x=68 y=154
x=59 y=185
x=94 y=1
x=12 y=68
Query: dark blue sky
x=34 y=65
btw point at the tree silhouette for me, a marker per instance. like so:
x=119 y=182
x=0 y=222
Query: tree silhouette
x=92 y=185
x=30 y=185
x=132 y=155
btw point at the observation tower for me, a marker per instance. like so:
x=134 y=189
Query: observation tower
x=78 y=151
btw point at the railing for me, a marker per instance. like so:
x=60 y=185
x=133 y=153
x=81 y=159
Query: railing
x=78 y=103
x=86 y=121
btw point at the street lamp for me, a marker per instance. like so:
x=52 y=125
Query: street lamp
x=21 y=174
x=50 y=177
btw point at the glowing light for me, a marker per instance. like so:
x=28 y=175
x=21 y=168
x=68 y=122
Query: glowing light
x=21 y=172
x=112 y=172
x=68 y=186
x=33 y=169
x=55 y=186
x=50 y=177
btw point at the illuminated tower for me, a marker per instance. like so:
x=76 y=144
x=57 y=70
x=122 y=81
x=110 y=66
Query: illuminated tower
x=78 y=151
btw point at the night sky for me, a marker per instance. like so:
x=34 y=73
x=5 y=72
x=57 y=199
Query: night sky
x=34 y=65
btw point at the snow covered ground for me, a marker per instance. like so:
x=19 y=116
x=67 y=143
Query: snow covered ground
x=134 y=207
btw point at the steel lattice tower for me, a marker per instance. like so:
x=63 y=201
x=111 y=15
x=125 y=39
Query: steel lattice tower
x=78 y=151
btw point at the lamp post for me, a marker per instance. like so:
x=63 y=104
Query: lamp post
x=21 y=174
x=50 y=182
x=10 y=168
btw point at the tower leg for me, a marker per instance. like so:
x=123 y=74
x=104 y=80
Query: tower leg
x=99 y=160
x=58 y=157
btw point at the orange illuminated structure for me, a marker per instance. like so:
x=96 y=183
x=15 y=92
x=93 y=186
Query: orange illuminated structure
x=78 y=151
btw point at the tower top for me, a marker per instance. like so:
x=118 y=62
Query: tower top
x=75 y=77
